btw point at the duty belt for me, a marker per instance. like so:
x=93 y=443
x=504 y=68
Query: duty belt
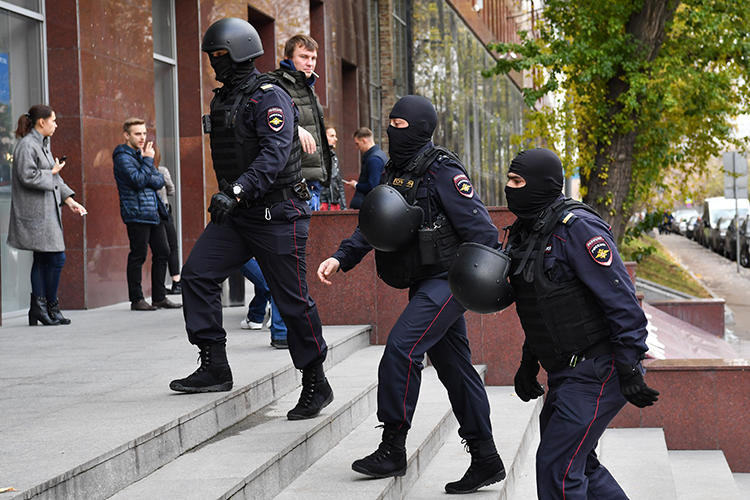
x=591 y=352
x=278 y=195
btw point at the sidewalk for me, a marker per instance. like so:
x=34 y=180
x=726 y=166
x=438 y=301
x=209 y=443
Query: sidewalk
x=70 y=393
x=720 y=276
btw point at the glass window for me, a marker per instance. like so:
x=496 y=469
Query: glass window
x=376 y=111
x=27 y=4
x=21 y=86
x=476 y=116
x=400 y=48
x=163 y=27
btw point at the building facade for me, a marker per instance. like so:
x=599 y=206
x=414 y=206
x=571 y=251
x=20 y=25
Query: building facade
x=98 y=62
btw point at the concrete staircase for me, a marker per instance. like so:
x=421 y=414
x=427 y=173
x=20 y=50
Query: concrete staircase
x=240 y=445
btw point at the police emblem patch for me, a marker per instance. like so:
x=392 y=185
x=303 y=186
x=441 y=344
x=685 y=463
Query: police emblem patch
x=463 y=186
x=599 y=250
x=275 y=119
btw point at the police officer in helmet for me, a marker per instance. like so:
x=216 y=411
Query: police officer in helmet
x=582 y=322
x=260 y=212
x=415 y=223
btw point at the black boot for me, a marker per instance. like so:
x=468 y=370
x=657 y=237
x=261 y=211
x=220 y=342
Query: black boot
x=389 y=460
x=53 y=308
x=38 y=312
x=316 y=394
x=486 y=468
x=213 y=375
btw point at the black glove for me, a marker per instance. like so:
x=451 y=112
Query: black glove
x=633 y=387
x=221 y=206
x=525 y=381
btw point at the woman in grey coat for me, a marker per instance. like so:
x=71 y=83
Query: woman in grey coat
x=38 y=193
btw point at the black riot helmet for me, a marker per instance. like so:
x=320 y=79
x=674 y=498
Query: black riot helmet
x=386 y=220
x=478 y=278
x=235 y=35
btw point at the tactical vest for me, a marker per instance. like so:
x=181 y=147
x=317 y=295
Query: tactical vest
x=432 y=253
x=315 y=166
x=234 y=146
x=560 y=319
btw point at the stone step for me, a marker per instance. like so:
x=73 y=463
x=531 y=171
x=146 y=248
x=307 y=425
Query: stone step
x=332 y=475
x=101 y=416
x=259 y=455
x=639 y=461
x=742 y=479
x=516 y=429
x=703 y=475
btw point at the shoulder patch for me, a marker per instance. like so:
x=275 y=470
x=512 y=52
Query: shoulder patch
x=463 y=186
x=599 y=250
x=275 y=117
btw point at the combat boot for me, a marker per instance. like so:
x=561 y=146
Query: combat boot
x=213 y=375
x=316 y=394
x=389 y=460
x=486 y=467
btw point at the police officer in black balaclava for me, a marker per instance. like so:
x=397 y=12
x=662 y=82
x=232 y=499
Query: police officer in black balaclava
x=260 y=212
x=582 y=323
x=428 y=179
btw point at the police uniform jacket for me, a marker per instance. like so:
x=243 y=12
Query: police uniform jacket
x=585 y=250
x=445 y=188
x=37 y=197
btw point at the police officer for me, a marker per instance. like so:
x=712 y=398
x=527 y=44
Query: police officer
x=582 y=322
x=261 y=212
x=415 y=223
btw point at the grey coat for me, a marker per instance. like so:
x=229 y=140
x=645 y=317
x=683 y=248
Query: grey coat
x=36 y=197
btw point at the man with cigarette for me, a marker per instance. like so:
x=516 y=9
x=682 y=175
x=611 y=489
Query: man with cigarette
x=296 y=74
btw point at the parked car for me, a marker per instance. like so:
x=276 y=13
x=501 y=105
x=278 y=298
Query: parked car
x=718 y=232
x=680 y=218
x=744 y=243
x=716 y=207
x=730 y=239
x=690 y=226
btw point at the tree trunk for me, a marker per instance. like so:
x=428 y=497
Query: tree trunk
x=608 y=185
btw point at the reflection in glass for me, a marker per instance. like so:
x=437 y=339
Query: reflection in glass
x=27 y=4
x=166 y=130
x=476 y=116
x=163 y=27
x=21 y=87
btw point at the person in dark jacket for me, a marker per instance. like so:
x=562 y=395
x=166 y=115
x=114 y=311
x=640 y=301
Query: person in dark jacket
x=333 y=197
x=142 y=212
x=582 y=323
x=38 y=193
x=373 y=163
x=296 y=74
x=434 y=183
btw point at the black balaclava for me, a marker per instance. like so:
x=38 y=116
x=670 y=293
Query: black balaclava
x=404 y=143
x=229 y=72
x=542 y=170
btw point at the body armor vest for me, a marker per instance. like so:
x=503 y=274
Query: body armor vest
x=560 y=319
x=435 y=248
x=234 y=146
x=315 y=166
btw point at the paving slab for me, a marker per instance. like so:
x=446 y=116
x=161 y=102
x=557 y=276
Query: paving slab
x=99 y=387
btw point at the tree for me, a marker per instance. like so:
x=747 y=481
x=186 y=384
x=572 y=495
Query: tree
x=645 y=86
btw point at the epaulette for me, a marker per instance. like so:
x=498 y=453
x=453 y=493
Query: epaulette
x=266 y=87
x=568 y=218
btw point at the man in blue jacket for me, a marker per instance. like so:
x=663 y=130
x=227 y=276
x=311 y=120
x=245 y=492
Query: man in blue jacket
x=141 y=210
x=373 y=163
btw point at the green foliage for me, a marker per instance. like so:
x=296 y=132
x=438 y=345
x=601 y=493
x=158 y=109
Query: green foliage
x=677 y=97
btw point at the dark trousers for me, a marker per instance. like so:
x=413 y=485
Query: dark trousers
x=579 y=405
x=173 y=261
x=45 y=274
x=432 y=323
x=143 y=236
x=279 y=245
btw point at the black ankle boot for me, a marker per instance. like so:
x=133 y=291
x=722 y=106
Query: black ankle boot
x=486 y=468
x=316 y=394
x=53 y=308
x=213 y=375
x=389 y=460
x=38 y=312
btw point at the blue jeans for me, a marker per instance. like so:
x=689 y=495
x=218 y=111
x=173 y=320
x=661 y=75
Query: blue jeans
x=256 y=311
x=45 y=274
